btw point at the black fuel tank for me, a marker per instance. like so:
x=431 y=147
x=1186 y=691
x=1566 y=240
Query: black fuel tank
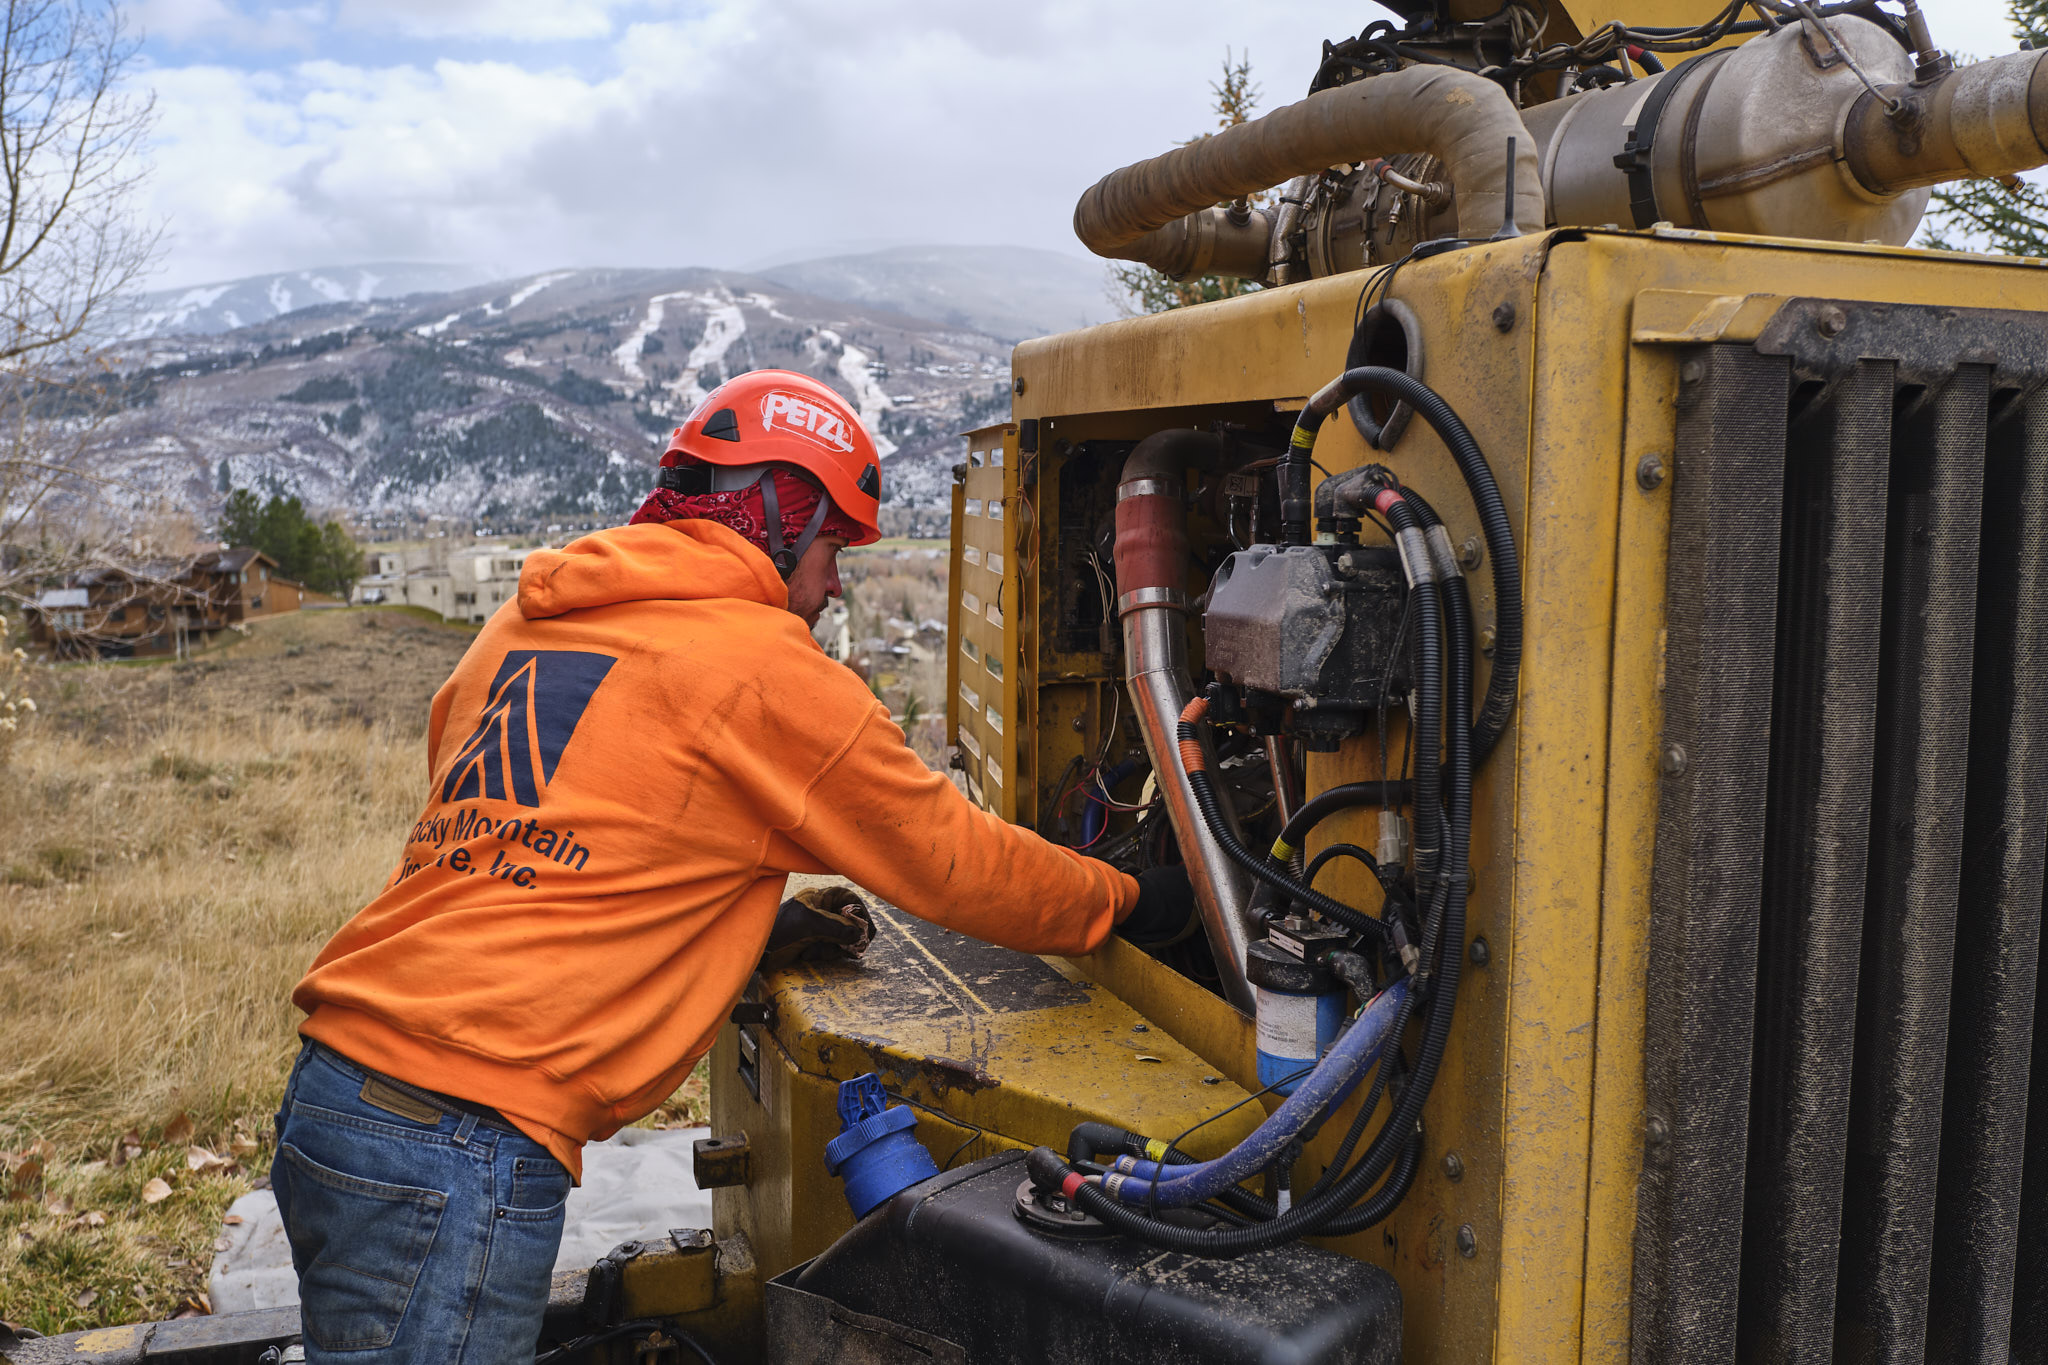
x=946 y=1274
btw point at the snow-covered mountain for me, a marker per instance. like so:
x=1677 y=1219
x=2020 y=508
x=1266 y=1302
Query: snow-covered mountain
x=1011 y=292
x=520 y=402
x=210 y=309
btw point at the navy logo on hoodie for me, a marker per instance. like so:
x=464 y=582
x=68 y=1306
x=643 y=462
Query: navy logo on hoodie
x=535 y=703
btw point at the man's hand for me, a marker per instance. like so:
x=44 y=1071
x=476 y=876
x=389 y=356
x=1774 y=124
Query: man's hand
x=826 y=921
x=1165 y=913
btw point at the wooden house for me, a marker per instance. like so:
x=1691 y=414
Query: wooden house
x=161 y=609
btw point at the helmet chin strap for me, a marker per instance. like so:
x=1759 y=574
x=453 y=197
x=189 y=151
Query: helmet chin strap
x=786 y=558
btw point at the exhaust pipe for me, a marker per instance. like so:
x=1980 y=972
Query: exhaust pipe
x=1988 y=120
x=1162 y=212
x=1151 y=574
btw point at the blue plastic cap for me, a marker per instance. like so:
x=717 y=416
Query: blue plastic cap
x=878 y=1154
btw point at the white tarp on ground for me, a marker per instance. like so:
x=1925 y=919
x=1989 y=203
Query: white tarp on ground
x=637 y=1186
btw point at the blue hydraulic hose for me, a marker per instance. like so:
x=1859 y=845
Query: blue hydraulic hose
x=1146 y=1183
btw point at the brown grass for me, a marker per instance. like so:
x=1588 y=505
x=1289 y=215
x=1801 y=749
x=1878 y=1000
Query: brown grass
x=905 y=581
x=176 y=843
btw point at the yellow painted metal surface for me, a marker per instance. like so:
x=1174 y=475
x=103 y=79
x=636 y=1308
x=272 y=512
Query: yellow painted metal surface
x=1540 y=1096
x=996 y=1050
x=1634 y=722
x=1591 y=14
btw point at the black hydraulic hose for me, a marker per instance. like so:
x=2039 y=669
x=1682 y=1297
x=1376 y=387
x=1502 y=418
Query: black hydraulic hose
x=1389 y=1196
x=1457 y=593
x=1351 y=851
x=1350 y=796
x=1429 y=716
x=1292 y=477
x=1357 y=921
x=1089 y=1139
x=1341 y=1158
x=1439 y=966
x=1450 y=945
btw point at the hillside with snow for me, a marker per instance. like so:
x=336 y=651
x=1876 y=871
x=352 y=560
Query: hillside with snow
x=518 y=403
x=210 y=309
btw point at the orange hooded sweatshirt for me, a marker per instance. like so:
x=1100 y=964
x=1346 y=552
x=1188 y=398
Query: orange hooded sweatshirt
x=625 y=766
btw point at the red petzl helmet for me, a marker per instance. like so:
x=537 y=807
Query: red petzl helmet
x=782 y=417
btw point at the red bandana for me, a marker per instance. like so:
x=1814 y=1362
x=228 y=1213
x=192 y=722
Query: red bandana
x=741 y=511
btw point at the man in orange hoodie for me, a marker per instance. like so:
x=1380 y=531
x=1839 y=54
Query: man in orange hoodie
x=623 y=770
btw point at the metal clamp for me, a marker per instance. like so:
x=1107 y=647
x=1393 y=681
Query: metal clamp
x=1139 y=599
x=1149 y=488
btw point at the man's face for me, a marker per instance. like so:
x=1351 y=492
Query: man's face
x=816 y=578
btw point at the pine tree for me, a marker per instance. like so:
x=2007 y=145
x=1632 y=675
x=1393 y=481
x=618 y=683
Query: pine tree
x=323 y=556
x=2008 y=216
x=1140 y=288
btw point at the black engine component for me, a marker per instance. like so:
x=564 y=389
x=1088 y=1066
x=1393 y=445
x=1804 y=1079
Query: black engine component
x=1314 y=626
x=948 y=1271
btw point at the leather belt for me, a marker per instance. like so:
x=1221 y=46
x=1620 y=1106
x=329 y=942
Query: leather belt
x=414 y=1102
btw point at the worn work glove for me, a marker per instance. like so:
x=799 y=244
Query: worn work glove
x=824 y=922
x=1166 y=908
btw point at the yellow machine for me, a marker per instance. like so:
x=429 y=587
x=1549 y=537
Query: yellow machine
x=1718 y=516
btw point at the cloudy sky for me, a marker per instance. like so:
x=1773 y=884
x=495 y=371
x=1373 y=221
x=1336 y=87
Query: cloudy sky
x=523 y=134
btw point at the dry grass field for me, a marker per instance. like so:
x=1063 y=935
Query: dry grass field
x=177 y=840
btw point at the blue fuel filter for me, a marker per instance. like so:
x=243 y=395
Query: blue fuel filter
x=1300 y=1007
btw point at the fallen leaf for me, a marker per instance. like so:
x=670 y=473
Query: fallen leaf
x=231 y=1219
x=156 y=1191
x=116 y=934
x=179 y=1129
x=242 y=1146
x=27 y=1175
x=221 y=1244
x=92 y=1168
x=200 y=1161
x=87 y=1299
x=95 y=1219
x=43 y=1149
x=60 y=1206
x=127 y=1149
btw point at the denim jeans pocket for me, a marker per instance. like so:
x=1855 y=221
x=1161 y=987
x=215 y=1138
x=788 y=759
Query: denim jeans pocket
x=361 y=1244
x=539 y=1183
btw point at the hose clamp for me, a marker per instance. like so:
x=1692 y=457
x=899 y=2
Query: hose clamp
x=1445 y=554
x=1138 y=599
x=1415 y=557
x=1149 y=488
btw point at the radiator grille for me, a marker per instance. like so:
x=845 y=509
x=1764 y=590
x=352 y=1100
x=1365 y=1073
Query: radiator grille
x=1847 y=894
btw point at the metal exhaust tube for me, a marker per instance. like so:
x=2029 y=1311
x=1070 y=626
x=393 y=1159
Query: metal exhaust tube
x=1162 y=211
x=1151 y=574
x=1987 y=120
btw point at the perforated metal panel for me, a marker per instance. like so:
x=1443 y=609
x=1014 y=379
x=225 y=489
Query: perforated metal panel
x=986 y=653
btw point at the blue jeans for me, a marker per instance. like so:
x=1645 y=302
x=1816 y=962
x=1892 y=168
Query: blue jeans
x=415 y=1242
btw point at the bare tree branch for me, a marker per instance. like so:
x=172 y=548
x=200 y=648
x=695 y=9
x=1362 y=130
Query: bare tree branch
x=72 y=141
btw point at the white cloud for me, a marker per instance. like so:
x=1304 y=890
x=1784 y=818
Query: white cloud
x=749 y=127
x=217 y=21
x=507 y=20
x=712 y=135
